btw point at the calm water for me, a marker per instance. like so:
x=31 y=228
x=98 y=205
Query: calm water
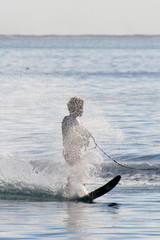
x=119 y=79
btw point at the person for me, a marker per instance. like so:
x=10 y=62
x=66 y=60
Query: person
x=75 y=138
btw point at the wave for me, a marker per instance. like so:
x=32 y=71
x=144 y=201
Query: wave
x=144 y=170
x=19 y=191
x=130 y=179
x=96 y=73
x=45 y=180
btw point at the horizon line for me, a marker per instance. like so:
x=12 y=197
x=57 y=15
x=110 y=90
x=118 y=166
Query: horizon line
x=79 y=35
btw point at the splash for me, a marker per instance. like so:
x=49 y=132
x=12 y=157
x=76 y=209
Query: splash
x=19 y=176
x=43 y=180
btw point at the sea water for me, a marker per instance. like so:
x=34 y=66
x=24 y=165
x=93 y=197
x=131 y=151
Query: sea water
x=119 y=80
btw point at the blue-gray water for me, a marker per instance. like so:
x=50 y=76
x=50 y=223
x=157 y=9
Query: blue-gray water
x=119 y=79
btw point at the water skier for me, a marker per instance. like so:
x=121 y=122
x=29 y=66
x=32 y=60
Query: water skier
x=75 y=138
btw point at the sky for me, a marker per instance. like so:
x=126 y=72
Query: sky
x=74 y=17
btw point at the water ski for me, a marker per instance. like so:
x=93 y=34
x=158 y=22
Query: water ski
x=100 y=191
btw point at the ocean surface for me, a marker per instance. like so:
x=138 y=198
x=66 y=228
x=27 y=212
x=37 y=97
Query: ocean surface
x=119 y=80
